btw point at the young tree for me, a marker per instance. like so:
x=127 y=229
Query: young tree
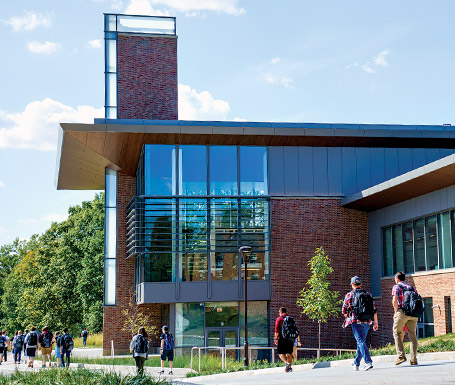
x=317 y=300
x=135 y=318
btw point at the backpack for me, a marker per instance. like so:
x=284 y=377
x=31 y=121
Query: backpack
x=68 y=343
x=46 y=340
x=2 y=342
x=140 y=345
x=19 y=341
x=362 y=305
x=289 y=329
x=84 y=334
x=168 y=341
x=412 y=302
x=33 y=340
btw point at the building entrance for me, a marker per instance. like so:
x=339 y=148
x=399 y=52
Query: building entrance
x=224 y=337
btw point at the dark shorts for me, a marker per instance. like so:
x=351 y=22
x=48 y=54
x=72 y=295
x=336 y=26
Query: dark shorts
x=167 y=353
x=285 y=346
x=31 y=352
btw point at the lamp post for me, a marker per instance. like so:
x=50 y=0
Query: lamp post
x=245 y=252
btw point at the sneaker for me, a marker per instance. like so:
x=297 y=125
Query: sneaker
x=286 y=369
x=170 y=372
x=161 y=372
x=414 y=362
x=368 y=366
x=355 y=367
x=400 y=360
x=290 y=369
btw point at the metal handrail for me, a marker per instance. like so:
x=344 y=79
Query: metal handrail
x=224 y=349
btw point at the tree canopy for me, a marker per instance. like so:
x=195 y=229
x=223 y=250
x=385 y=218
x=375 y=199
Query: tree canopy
x=56 y=279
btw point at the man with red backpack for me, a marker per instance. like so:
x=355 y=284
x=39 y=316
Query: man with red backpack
x=285 y=334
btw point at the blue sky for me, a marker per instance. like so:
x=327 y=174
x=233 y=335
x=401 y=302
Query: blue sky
x=285 y=61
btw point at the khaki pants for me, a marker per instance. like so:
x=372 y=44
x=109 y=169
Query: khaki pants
x=399 y=321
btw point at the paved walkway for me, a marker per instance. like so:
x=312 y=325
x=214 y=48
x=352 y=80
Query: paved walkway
x=429 y=371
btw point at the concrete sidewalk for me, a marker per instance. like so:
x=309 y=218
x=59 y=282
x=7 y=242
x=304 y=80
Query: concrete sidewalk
x=433 y=368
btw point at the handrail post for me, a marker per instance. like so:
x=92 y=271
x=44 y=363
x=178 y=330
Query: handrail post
x=199 y=360
x=192 y=358
x=273 y=355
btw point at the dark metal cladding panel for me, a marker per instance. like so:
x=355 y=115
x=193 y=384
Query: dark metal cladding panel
x=391 y=163
x=419 y=158
x=404 y=160
x=335 y=173
x=276 y=170
x=306 y=174
x=363 y=168
x=291 y=171
x=321 y=182
x=377 y=165
x=349 y=170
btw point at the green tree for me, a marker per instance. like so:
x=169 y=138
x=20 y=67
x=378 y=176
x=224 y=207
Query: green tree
x=317 y=300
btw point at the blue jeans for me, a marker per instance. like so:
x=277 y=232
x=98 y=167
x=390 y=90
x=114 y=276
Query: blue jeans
x=84 y=341
x=360 y=332
x=17 y=354
x=66 y=354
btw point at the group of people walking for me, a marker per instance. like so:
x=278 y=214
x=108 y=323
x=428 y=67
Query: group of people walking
x=360 y=312
x=31 y=340
x=139 y=346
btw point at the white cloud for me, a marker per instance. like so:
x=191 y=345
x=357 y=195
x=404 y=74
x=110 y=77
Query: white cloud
x=37 y=126
x=29 y=21
x=115 y=4
x=381 y=60
x=47 y=47
x=349 y=66
x=200 y=106
x=275 y=60
x=54 y=217
x=2 y=184
x=271 y=78
x=97 y=43
x=366 y=67
x=188 y=7
x=240 y=120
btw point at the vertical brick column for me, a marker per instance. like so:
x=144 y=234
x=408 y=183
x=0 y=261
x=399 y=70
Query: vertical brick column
x=147 y=77
x=299 y=226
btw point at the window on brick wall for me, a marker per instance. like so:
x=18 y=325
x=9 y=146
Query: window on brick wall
x=425 y=325
x=422 y=244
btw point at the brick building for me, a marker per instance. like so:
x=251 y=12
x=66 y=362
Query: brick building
x=183 y=196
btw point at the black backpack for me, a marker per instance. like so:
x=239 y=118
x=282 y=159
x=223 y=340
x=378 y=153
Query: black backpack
x=412 y=302
x=68 y=343
x=289 y=329
x=85 y=333
x=362 y=305
x=140 y=346
x=2 y=342
x=46 y=340
x=19 y=341
x=33 y=340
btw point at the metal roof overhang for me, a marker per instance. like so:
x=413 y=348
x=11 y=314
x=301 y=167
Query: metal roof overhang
x=85 y=150
x=431 y=177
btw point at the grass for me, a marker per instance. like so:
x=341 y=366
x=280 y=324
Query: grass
x=93 y=341
x=211 y=364
x=73 y=377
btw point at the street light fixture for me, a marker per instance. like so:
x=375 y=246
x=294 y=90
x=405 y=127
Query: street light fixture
x=245 y=252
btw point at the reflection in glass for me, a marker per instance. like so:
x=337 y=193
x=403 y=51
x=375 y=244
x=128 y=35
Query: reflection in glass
x=111 y=92
x=445 y=245
x=159 y=169
x=257 y=323
x=111 y=188
x=110 y=236
x=224 y=223
x=419 y=244
x=149 y=24
x=253 y=170
x=398 y=248
x=158 y=267
x=219 y=314
x=109 y=281
x=224 y=265
x=408 y=247
x=189 y=324
x=431 y=243
x=193 y=166
x=111 y=55
x=223 y=170
x=388 y=252
x=193 y=266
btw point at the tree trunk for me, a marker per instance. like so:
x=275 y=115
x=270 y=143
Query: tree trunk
x=319 y=339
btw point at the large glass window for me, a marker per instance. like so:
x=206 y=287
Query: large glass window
x=189 y=324
x=221 y=314
x=431 y=243
x=159 y=170
x=253 y=171
x=388 y=252
x=445 y=245
x=408 y=247
x=425 y=324
x=257 y=323
x=223 y=170
x=193 y=170
x=398 y=248
x=110 y=237
x=419 y=244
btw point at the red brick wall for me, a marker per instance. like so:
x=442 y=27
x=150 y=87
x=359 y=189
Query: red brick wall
x=113 y=319
x=436 y=284
x=147 y=77
x=299 y=226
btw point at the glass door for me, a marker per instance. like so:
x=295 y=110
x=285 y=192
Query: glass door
x=222 y=337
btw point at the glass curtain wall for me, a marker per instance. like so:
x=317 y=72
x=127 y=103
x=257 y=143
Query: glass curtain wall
x=192 y=213
x=110 y=238
x=422 y=244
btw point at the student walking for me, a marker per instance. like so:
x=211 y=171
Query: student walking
x=285 y=334
x=408 y=306
x=45 y=340
x=18 y=344
x=84 y=336
x=2 y=345
x=58 y=353
x=32 y=343
x=167 y=349
x=5 y=348
x=359 y=312
x=66 y=344
x=140 y=346
x=25 y=345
